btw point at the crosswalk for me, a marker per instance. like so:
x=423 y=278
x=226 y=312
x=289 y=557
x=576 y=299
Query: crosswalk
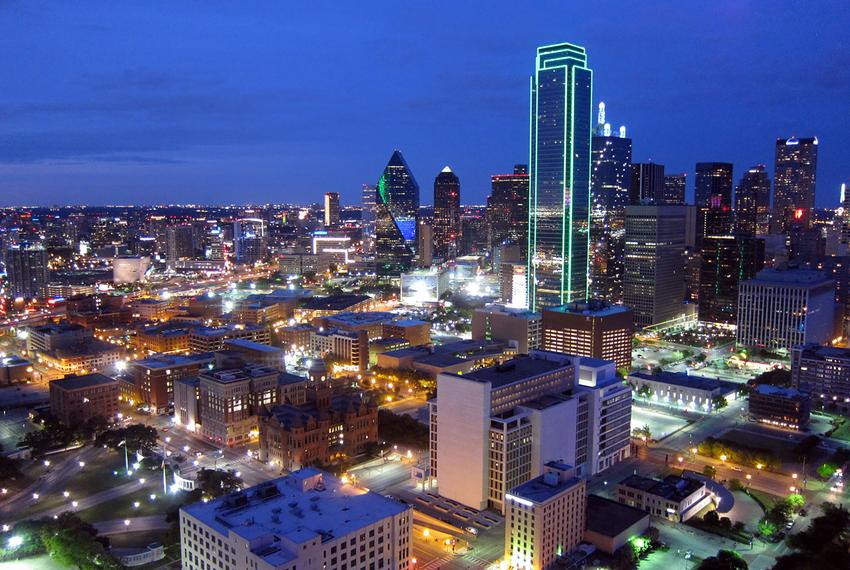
x=467 y=561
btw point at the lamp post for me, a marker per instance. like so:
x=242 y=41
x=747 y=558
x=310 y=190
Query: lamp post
x=126 y=457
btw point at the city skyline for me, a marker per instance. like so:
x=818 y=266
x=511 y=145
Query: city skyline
x=192 y=115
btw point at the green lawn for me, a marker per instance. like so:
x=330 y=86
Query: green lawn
x=96 y=476
x=842 y=432
x=765 y=500
x=124 y=507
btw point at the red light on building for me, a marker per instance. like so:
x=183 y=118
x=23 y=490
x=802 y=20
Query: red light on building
x=798 y=214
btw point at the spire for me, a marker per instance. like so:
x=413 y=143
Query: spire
x=446 y=169
x=397 y=159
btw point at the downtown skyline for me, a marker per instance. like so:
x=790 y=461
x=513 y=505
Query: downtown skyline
x=191 y=114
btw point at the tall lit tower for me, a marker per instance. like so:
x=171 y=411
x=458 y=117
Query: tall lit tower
x=331 y=209
x=396 y=214
x=794 y=183
x=446 y=222
x=752 y=203
x=559 y=190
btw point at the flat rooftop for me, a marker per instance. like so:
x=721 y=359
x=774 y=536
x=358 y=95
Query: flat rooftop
x=686 y=381
x=160 y=361
x=770 y=390
x=672 y=487
x=333 y=302
x=299 y=507
x=224 y=330
x=365 y=318
x=591 y=308
x=251 y=345
x=790 y=276
x=408 y=323
x=60 y=328
x=822 y=352
x=80 y=382
x=236 y=374
x=515 y=370
x=610 y=518
x=538 y=491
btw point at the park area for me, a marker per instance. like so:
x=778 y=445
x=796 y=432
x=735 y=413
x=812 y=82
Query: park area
x=660 y=424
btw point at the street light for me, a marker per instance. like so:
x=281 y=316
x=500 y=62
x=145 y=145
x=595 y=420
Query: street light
x=723 y=457
x=793 y=475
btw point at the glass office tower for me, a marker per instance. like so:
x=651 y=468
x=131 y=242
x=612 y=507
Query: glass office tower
x=559 y=190
x=396 y=215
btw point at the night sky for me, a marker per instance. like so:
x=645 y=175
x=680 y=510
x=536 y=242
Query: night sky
x=236 y=102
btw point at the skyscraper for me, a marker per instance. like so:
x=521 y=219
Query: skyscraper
x=674 y=188
x=250 y=240
x=752 y=203
x=396 y=215
x=368 y=217
x=794 y=183
x=654 y=284
x=331 y=209
x=559 y=202
x=647 y=185
x=609 y=188
x=27 y=271
x=713 y=193
x=507 y=209
x=726 y=261
x=179 y=242
x=446 y=223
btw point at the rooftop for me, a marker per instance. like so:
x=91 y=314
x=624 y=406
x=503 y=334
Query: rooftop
x=71 y=382
x=236 y=374
x=408 y=323
x=770 y=390
x=610 y=518
x=686 y=380
x=591 y=308
x=790 y=276
x=299 y=507
x=224 y=330
x=672 y=487
x=365 y=318
x=516 y=370
x=542 y=488
x=814 y=350
x=159 y=361
x=251 y=345
x=59 y=328
x=332 y=302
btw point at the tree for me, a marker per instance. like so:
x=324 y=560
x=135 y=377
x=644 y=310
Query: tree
x=776 y=377
x=709 y=471
x=711 y=517
x=824 y=544
x=735 y=485
x=137 y=437
x=642 y=432
x=402 y=429
x=795 y=501
x=826 y=470
x=767 y=528
x=724 y=560
x=216 y=483
x=625 y=558
x=719 y=402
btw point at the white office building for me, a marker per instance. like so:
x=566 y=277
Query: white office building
x=786 y=306
x=307 y=520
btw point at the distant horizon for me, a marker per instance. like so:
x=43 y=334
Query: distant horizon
x=117 y=101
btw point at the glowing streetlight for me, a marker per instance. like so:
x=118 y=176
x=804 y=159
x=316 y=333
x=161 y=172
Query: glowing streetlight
x=66 y=494
x=126 y=522
x=82 y=464
x=723 y=457
x=35 y=496
x=47 y=463
x=74 y=504
x=136 y=504
x=759 y=466
x=793 y=475
x=426 y=533
x=14 y=541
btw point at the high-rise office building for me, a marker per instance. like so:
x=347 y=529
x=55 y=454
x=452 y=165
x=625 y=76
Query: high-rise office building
x=713 y=194
x=647 y=185
x=787 y=306
x=752 y=203
x=250 y=240
x=794 y=177
x=674 y=188
x=609 y=184
x=331 y=209
x=446 y=222
x=368 y=192
x=590 y=328
x=425 y=247
x=559 y=201
x=180 y=243
x=654 y=284
x=725 y=262
x=27 y=271
x=822 y=370
x=507 y=210
x=397 y=213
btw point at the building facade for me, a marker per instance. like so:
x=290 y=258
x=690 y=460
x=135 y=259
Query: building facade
x=783 y=407
x=724 y=263
x=752 y=203
x=498 y=322
x=822 y=371
x=795 y=176
x=446 y=222
x=76 y=399
x=590 y=328
x=396 y=217
x=559 y=202
x=507 y=209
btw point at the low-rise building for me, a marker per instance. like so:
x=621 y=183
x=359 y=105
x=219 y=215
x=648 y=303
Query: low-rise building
x=308 y=519
x=325 y=429
x=163 y=339
x=545 y=518
x=350 y=348
x=89 y=356
x=76 y=399
x=383 y=345
x=296 y=337
x=416 y=332
x=455 y=357
x=370 y=321
x=14 y=369
x=823 y=371
x=257 y=353
x=682 y=391
x=210 y=339
x=152 y=309
x=503 y=323
x=154 y=377
x=609 y=525
x=315 y=307
x=674 y=498
x=783 y=407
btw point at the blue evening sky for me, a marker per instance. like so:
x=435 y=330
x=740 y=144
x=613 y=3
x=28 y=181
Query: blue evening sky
x=231 y=102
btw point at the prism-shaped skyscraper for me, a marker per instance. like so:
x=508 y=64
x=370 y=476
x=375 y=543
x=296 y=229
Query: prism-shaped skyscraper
x=396 y=215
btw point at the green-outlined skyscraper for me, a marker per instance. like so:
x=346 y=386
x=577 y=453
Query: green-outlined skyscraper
x=559 y=190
